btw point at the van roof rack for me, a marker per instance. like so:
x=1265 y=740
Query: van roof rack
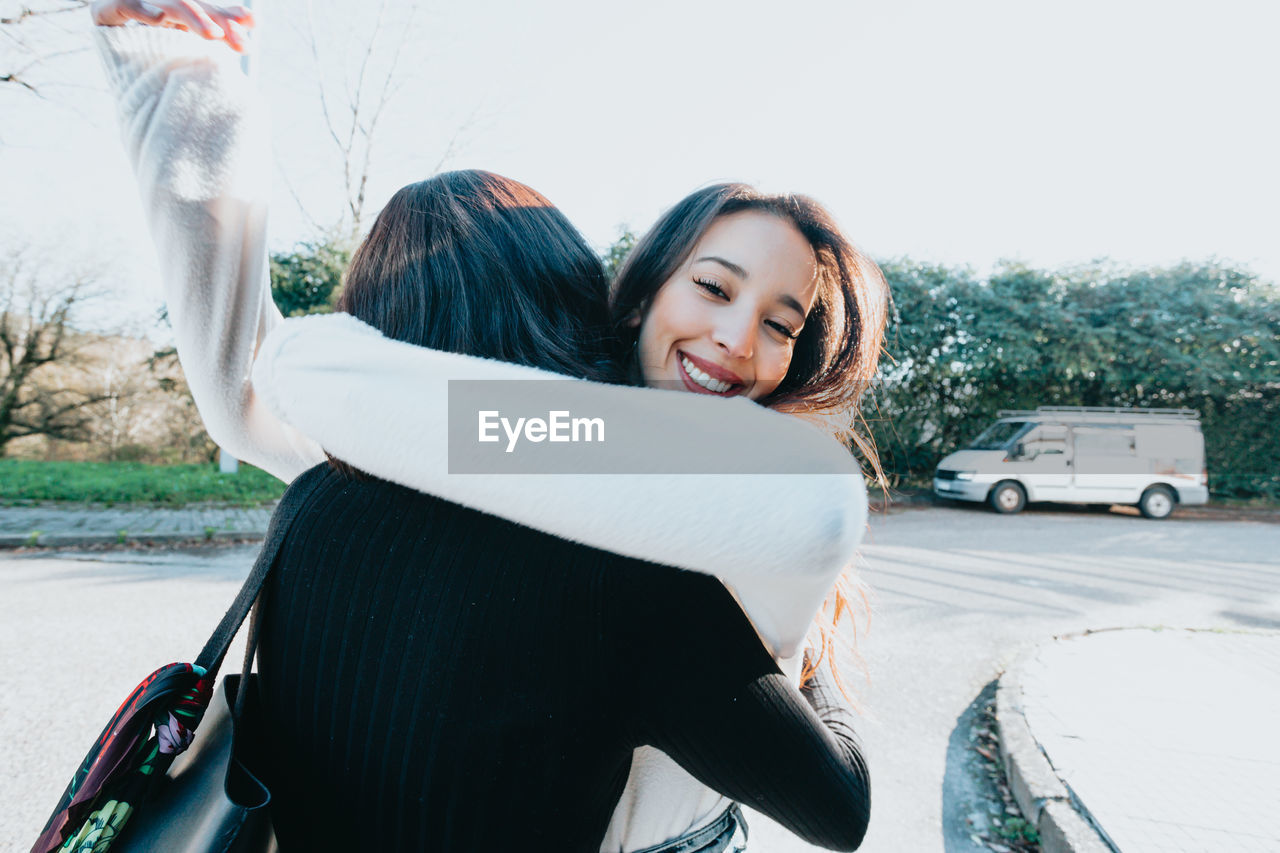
x=1101 y=413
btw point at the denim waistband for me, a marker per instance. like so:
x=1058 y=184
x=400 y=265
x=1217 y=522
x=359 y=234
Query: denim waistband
x=715 y=837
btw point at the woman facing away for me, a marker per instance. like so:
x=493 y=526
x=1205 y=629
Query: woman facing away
x=714 y=306
x=424 y=665
x=198 y=266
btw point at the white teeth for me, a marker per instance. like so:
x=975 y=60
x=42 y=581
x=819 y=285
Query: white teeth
x=703 y=379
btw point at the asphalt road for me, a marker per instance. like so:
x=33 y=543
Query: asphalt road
x=956 y=593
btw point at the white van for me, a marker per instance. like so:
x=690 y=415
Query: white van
x=1152 y=458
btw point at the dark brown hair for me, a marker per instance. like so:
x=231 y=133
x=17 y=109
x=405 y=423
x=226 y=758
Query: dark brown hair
x=475 y=263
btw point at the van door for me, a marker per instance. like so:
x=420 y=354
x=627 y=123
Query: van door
x=1045 y=465
x=1107 y=466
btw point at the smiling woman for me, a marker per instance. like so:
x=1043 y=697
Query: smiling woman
x=738 y=292
x=727 y=321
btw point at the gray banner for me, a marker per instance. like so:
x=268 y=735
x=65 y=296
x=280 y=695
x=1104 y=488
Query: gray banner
x=552 y=427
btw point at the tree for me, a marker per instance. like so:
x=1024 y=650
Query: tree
x=31 y=33
x=180 y=435
x=41 y=355
x=616 y=254
x=308 y=278
x=351 y=116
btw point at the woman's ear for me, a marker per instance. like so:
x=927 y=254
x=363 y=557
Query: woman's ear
x=633 y=319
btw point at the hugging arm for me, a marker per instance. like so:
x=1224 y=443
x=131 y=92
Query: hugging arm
x=779 y=540
x=195 y=134
x=789 y=754
x=196 y=137
x=729 y=717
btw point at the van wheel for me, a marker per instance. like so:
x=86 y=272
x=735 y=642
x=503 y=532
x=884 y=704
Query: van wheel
x=1007 y=498
x=1156 y=502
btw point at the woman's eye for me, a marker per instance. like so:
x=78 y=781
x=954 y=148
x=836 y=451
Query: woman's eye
x=782 y=330
x=709 y=286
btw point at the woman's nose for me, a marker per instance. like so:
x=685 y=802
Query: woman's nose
x=735 y=336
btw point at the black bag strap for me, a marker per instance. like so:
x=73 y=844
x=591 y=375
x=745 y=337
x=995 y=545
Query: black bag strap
x=251 y=646
x=216 y=648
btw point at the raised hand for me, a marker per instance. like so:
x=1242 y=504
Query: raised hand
x=217 y=23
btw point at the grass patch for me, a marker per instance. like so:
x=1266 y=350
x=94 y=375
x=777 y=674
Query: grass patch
x=133 y=482
x=1244 y=503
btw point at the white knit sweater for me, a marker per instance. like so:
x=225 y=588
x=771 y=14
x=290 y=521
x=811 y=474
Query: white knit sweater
x=195 y=132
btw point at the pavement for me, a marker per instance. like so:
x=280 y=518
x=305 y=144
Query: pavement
x=1145 y=739
x=74 y=525
x=1135 y=739
x=88 y=524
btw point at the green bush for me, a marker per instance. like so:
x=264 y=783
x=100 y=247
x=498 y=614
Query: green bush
x=959 y=348
x=131 y=482
x=308 y=279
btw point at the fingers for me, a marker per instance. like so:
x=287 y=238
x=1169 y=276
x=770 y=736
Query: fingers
x=235 y=22
x=146 y=13
x=218 y=23
x=237 y=38
x=117 y=13
x=240 y=14
x=197 y=20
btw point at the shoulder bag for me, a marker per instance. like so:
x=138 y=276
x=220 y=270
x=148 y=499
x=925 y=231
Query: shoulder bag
x=140 y=788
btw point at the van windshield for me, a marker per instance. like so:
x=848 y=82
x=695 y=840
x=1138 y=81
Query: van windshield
x=998 y=435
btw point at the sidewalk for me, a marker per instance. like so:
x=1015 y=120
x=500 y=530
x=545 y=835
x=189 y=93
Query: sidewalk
x=1155 y=739
x=63 y=524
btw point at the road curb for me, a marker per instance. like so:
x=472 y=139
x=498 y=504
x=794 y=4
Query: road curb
x=1064 y=825
x=68 y=540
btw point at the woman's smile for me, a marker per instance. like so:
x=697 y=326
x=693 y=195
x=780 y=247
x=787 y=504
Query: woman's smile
x=704 y=377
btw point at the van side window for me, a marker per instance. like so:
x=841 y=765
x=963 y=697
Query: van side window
x=1104 y=442
x=1045 y=440
x=999 y=436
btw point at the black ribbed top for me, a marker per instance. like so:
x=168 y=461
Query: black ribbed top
x=439 y=679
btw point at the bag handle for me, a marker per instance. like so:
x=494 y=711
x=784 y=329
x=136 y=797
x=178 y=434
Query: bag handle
x=237 y=709
x=219 y=642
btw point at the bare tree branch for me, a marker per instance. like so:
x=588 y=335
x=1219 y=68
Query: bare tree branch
x=319 y=66
x=16 y=30
x=384 y=98
x=71 y=51
x=26 y=12
x=293 y=193
x=368 y=93
x=454 y=140
x=329 y=123
x=14 y=78
x=40 y=362
x=355 y=199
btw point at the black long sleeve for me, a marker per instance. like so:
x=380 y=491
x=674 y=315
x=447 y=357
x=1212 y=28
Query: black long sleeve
x=734 y=721
x=435 y=678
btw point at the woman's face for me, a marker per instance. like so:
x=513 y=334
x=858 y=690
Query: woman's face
x=725 y=324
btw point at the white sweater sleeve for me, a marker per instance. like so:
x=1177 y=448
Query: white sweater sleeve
x=196 y=136
x=779 y=540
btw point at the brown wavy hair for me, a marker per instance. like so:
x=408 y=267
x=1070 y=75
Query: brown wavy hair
x=835 y=356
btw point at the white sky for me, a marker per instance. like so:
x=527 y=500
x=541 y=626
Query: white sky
x=1053 y=133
